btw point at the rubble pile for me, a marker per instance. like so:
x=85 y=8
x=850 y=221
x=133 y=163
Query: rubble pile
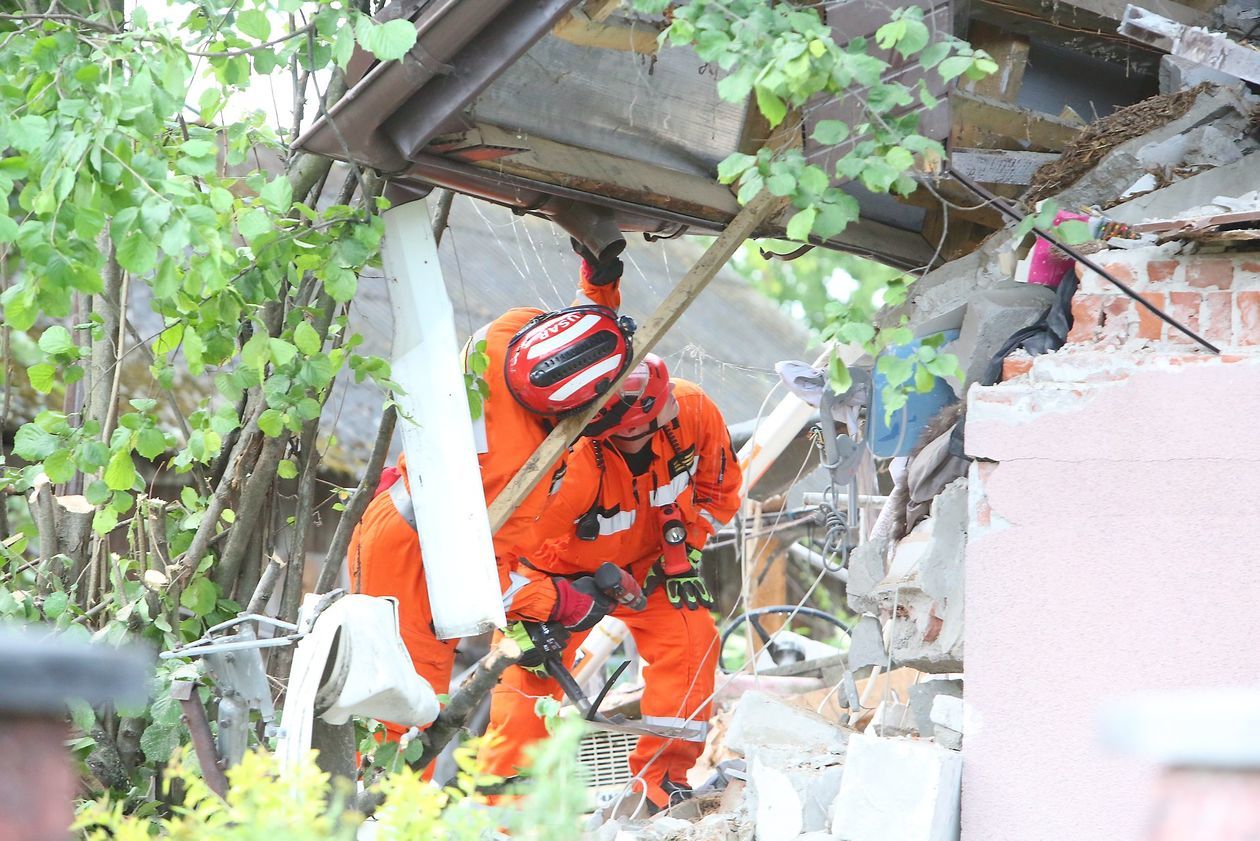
x=1171 y=194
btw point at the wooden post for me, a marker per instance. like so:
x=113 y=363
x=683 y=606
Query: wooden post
x=765 y=565
x=675 y=303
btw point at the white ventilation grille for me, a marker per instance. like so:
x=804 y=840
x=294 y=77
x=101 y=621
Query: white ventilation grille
x=603 y=757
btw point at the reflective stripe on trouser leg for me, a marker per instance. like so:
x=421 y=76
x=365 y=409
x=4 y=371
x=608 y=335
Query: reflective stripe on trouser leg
x=680 y=647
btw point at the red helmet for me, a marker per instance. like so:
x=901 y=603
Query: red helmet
x=644 y=394
x=561 y=361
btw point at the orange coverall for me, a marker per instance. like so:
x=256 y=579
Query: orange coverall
x=384 y=556
x=680 y=646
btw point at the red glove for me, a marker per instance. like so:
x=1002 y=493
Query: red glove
x=579 y=603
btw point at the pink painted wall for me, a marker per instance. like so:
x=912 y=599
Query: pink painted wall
x=1114 y=547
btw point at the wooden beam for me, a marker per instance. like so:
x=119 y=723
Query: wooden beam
x=999 y=166
x=1010 y=51
x=1086 y=26
x=676 y=302
x=982 y=123
x=765 y=568
x=607 y=36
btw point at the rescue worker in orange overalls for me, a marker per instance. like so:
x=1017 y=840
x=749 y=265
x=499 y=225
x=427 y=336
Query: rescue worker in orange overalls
x=541 y=367
x=646 y=494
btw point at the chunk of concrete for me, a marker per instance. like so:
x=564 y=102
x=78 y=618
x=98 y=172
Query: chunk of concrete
x=764 y=720
x=666 y=828
x=1179 y=74
x=894 y=719
x=993 y=316
x=947 y=721
x=1223 y=108
x=898 y=790
x=923 y=694
x=922 y=595
x=1171 y=202
x=779 y=808
x=867 y=567
x=866 y=644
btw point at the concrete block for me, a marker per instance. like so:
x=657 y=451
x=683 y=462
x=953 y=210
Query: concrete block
x=866 y=644
x=947 y=720
x=866 y=570
x=923 y=694
x=922 y=595
x=1232 y=180
x=666 y=828
x=993 y=316
x=898 y=790
x=778 y=806
x=1118 y=168
x=761 y=719
x=894 y=719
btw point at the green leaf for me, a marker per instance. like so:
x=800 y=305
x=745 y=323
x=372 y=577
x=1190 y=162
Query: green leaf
x=733 y=166
x=158 y=741
x=287 y=469
x=953 y=67
x=830 y=131
x=253 y=224
x=841 y=379
x=387 y=41
x=8 y=229
x=120 y=473
x=34 y=444
x=200 y=596
x=277 y=195
x=271 y=422
x=56 y=340
x=55 y=604
x=341 y=284
x=104 y=521
x=150 y=443
x=1073 y=231
x=81 y=714
x=97 y=492
x=254 y=23
x=934 y=54
x=771 y=107
x=282 y=352
x=41 y=376
x=59 y=467
x=306 y=339
x=801 y=224
x=137 y=253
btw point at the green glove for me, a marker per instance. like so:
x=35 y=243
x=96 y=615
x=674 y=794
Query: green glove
x=537 y=640
x=686 y=589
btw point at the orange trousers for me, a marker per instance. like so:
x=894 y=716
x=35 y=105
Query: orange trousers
x=680 y=648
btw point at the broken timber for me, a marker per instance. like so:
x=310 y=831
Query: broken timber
x=679 y=298
x=999 y=166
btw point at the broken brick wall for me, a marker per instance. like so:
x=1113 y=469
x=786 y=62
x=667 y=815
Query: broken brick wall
x=1112 y=542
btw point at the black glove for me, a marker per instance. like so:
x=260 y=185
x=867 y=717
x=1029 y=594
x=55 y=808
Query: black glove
x=604 y=269
x=538 y=641
x=685 y=589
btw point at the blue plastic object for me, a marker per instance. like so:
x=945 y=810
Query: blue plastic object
x=898 y=435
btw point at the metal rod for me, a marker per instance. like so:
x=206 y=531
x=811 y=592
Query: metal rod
x=1011 y=212
x=203 y=741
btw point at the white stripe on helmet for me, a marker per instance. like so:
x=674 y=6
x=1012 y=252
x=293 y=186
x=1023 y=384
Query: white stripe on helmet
x=569 y=334
x=585 y=378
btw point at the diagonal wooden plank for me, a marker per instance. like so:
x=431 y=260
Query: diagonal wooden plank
x=675 y=303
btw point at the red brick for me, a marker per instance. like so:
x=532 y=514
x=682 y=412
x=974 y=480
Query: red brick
x=1119 y=318
x=1087 y=317
x=1184 y=306
x=1160 y=271
x=1150 y=325
x=1016 y=366
x=1122 y=272
x=1218 y=315
x=1207 y=272
x=1250 y=266
x=1248 y=305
